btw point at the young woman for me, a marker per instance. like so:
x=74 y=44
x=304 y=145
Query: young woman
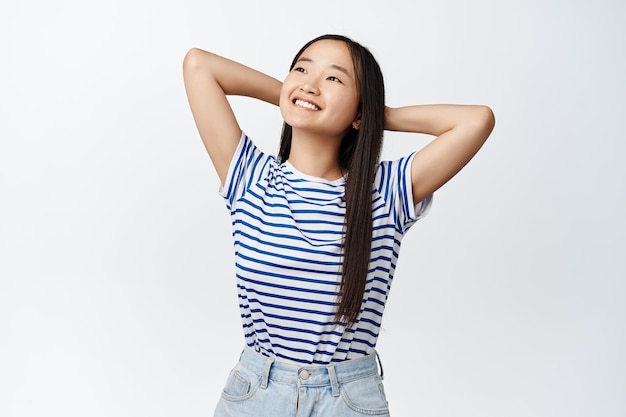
x=317 y=229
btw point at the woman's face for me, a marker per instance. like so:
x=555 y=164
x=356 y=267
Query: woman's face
x=320 y=94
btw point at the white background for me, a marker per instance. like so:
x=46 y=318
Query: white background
x=117 y=295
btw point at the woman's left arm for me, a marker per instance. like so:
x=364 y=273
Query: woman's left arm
x=460 y=132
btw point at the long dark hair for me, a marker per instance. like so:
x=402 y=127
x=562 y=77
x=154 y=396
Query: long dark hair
x=358 y=155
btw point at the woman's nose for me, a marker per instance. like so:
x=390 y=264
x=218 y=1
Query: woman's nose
x=310 y=86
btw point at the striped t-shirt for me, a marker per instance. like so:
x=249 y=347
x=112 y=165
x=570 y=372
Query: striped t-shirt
x=287 y=231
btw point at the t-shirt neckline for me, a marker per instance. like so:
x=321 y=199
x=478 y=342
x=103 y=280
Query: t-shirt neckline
x=307 y=177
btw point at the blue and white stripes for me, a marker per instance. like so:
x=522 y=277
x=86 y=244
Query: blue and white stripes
x=287 y=230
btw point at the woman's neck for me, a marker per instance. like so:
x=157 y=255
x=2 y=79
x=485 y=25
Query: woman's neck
x=316 y=156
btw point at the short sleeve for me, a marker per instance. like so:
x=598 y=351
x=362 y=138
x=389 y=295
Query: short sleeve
x=393 y=183
x=241 y=171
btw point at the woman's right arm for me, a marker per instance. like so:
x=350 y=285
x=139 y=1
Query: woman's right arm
x=209 y=78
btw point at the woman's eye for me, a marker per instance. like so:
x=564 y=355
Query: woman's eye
x=333 y=78
x=299 y=69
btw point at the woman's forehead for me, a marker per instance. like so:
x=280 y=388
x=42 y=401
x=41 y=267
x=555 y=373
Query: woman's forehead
x=331 y=53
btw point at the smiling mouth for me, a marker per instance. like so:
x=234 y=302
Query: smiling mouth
x=306 y=105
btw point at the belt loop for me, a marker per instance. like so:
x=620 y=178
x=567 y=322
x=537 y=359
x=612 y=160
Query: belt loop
x=333 y=380
x=380 y=364
x=266 y=372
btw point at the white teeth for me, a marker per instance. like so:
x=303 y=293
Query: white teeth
x=306 y=104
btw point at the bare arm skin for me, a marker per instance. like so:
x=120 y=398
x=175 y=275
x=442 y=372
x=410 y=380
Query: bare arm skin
x=209 y=78
x=460 y=132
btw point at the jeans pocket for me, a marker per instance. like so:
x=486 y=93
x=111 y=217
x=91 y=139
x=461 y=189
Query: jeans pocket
x=241 y=384
x=365 y=396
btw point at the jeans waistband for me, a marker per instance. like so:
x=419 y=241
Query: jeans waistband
x=310 y=375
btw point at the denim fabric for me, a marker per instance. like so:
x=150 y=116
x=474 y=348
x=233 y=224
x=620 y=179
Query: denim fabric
x=258 y=386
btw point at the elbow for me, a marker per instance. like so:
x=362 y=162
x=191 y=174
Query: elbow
x=193 y=59
x=485 y=120
x=486 y=117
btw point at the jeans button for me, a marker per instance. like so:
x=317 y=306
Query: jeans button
x=304 y=374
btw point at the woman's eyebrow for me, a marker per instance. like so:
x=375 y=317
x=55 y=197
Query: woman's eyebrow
x=335 y=66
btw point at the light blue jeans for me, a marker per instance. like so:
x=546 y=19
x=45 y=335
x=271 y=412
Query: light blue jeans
x=261 y=387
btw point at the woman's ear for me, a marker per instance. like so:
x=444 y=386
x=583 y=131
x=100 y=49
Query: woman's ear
x=356 y=125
